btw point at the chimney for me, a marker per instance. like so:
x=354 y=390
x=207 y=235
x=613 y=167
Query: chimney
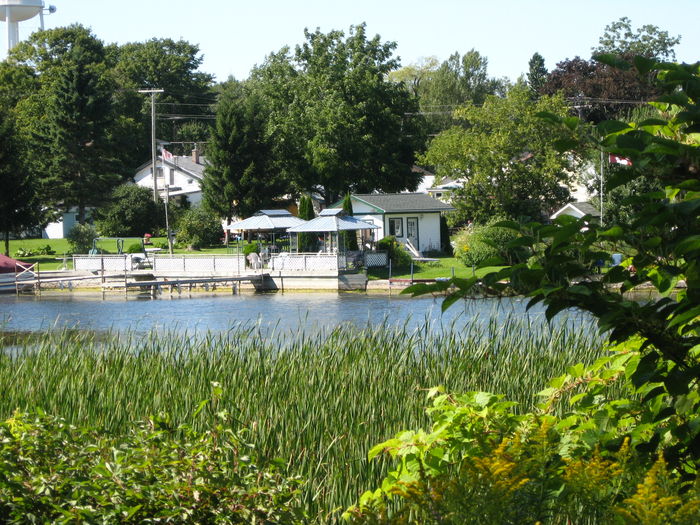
x=195 y=156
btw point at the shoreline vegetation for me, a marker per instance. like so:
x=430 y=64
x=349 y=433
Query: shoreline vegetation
x=313 y=404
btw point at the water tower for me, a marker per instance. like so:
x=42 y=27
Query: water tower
x=14 y=11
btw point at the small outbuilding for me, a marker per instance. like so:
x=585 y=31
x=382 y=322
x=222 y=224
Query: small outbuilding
x=413 y=217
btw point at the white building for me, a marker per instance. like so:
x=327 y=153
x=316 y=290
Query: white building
x=182 y=174
x=407 y=216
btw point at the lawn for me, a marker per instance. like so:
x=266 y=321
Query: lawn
x=443 y=267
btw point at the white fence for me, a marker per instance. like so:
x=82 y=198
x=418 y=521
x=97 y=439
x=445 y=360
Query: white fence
x=302 y=262
x=226 y=264
x=201 y=264
x=108 y=263
x=198 y=263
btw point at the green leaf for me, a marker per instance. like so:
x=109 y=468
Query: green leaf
x=643 y=64
x=613 y=60
x=611 y=126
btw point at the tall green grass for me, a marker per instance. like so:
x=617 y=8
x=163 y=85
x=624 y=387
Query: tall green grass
x=319 y=401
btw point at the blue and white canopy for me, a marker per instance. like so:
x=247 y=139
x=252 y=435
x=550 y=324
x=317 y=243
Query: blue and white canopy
x=332 y=220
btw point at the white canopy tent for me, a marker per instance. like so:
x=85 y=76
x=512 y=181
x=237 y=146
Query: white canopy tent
x=267 y=221
x=329 y=222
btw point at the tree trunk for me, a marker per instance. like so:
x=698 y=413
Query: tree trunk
x=7 y=243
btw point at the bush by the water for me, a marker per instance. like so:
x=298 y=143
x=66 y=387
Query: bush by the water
x=397 y=253
x=477 y=244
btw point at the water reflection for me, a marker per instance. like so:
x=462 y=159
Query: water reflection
x=281 y=311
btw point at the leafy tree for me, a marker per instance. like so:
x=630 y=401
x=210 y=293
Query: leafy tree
x=239 y=178
x=192 y=135
x=198 y=227
x=441 y=87
x=349 y=238
x=171 y=65
x=130 y=213
x=19 y=204
x=598 y=91
x=340 y=123
x=505 y=157
x=648 y=41
x=537 y=74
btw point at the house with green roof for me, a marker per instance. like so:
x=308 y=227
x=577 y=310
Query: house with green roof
x=413 y=217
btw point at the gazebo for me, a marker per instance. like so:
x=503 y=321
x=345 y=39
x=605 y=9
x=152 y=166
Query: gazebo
x=330 y=222
x=267 y=221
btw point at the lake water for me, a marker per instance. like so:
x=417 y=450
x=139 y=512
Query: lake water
x=281 y=311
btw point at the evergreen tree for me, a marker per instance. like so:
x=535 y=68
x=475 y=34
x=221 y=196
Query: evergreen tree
x=349 y=237
x=239 y=179
x=19 y=205
x=536 y=75
x=72 y=148
x=306 y=241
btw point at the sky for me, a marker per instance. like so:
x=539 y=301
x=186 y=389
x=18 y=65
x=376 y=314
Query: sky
x=235 y=35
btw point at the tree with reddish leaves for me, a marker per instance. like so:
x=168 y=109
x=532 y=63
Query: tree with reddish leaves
x=598 y=91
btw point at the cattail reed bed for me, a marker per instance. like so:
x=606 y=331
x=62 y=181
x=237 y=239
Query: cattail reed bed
x=319 y=401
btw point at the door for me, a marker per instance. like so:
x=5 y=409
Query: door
x=412 y=231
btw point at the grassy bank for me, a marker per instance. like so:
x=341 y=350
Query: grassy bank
x=320 y=401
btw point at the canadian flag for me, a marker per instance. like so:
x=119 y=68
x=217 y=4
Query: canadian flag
x=616 y=159
x=166 y=154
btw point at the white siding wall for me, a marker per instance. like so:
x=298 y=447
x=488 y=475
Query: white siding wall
x=428 y=225
x=189 y=185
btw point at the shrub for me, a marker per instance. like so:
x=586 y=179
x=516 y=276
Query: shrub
x=250 y=248
x=81 y=237
x=135 y=247
x=54 y=472
x=477 y=244
x=198 y=228
x=397 y=253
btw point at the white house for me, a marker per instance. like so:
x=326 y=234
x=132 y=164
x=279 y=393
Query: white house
x=182 y=174
x=407 y=216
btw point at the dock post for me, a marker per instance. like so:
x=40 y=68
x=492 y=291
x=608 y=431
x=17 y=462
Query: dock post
x=126 y=288
x=38 y=279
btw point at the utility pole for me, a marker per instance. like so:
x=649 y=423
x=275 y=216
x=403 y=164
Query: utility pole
x=153 y=138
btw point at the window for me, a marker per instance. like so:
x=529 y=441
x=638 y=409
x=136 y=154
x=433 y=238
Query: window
x=396 y=227
x=159 y=173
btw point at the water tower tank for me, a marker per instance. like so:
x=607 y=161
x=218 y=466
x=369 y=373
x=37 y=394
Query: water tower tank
x=14 y=11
